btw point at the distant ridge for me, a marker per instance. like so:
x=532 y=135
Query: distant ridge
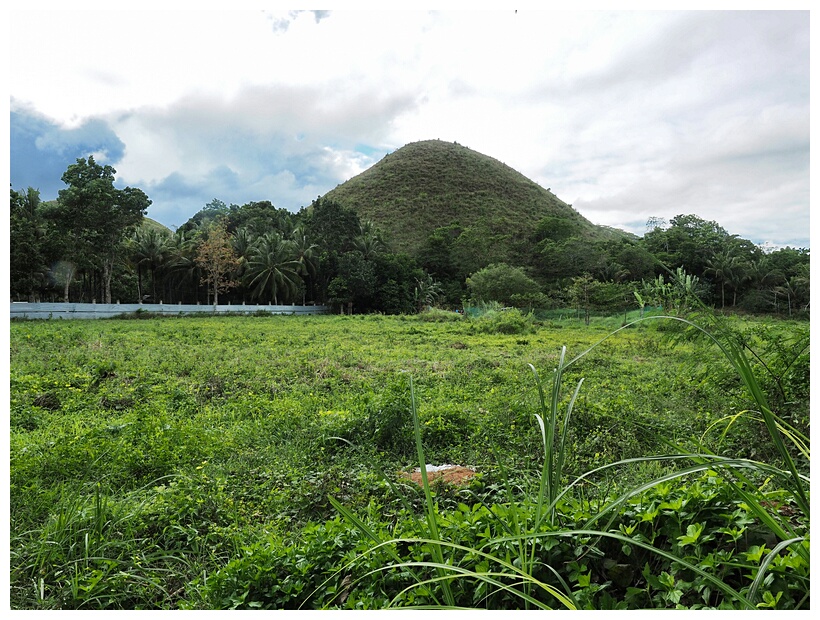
x=431 y=184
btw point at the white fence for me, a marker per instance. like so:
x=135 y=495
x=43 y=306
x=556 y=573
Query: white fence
x=25 y=310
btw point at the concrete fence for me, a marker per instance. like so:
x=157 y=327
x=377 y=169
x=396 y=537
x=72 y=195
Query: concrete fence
x=25 y=310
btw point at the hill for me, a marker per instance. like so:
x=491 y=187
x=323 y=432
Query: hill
x=433 y=184
x=149 y=224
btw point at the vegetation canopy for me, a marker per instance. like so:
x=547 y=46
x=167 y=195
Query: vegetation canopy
x=432 y=212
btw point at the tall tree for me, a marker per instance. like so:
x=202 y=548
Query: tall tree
x=272 y=267
x=306 y=254
x=30 y=250
x=183 y=272
x=150 y=248
x=333 y=229
x=724 y=265
x=217 y=258
x=94 y=216
x=688 y=242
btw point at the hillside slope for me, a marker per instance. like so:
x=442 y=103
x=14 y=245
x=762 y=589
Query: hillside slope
x=430 y=184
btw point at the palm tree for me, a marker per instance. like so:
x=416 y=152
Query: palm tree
x=723 y=264
x=761 y=272
x=182 y=268
x=795 y=289
x=149 y=248
x=305 y=255
x=611 y=271
x=738 y=276
x=242 y=242
x=272 y=267
x=427 y=291
x=369 y=242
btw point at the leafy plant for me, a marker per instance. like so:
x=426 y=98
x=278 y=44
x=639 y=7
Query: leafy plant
x=688 y=558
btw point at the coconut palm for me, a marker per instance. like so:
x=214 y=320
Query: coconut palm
x=272 y=267
x=369 y=242
x=242 y=243
x=795 y=289
x=149 y=248
x=724 y=265
x=762 y=274
x=305 y=254
x=182 y=268
x=304 y=251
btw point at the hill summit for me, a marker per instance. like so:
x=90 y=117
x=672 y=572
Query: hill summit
x=433 y=184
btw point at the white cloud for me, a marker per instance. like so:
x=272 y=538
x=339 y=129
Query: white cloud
x=625 y=115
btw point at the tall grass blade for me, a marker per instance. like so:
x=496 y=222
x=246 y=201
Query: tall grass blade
x=432 y=523
x=764 y=565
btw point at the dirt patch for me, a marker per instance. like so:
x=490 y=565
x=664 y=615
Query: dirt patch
x=458 y=475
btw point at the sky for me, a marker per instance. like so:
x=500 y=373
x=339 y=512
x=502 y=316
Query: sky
x=625 y=115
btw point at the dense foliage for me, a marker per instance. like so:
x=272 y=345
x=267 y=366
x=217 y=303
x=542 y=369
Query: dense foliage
x=430 y=213
x=252 y=462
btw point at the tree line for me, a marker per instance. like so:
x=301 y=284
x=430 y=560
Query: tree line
x=94 y=244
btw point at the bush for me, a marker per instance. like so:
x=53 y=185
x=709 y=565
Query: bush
x=510 y=321
x=437 y=315
x=500 y=282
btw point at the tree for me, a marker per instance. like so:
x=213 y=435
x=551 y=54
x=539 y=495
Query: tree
x=795 y=289
x=272 y=267
x=94 y=217
x=242 y=240
x=259 y=218
x=499 y=282
x=29 y=243
x=183 y=272
x=426 y=292
x=723 y=265
x=332 y=228
x=216 y=257
x=583 y=289
x=355 y=284
x=688 y=242
x=210 y=213
x=306 y=254
x=437 y=257
x=149 y=248
x=568 y=258
x=369 y=241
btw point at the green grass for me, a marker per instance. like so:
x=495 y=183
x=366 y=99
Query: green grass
x=206 y=463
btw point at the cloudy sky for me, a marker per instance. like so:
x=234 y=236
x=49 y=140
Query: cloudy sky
x=625 y=115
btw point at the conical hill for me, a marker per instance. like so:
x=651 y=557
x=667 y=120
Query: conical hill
x=432 y=184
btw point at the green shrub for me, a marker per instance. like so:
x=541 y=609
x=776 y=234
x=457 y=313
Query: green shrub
x=509 y=322
x=437 y=315
x=307 y=573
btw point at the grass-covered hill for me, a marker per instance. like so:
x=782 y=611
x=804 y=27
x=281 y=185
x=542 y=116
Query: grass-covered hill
x=431 y=184
x=149 y=224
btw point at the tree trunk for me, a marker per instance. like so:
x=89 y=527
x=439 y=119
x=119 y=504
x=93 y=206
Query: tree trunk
x=108 y=269
x=69 y=276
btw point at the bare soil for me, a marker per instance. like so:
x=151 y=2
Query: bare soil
x=459 y=476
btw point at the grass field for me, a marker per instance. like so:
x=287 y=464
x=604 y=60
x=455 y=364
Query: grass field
x=252 y=462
